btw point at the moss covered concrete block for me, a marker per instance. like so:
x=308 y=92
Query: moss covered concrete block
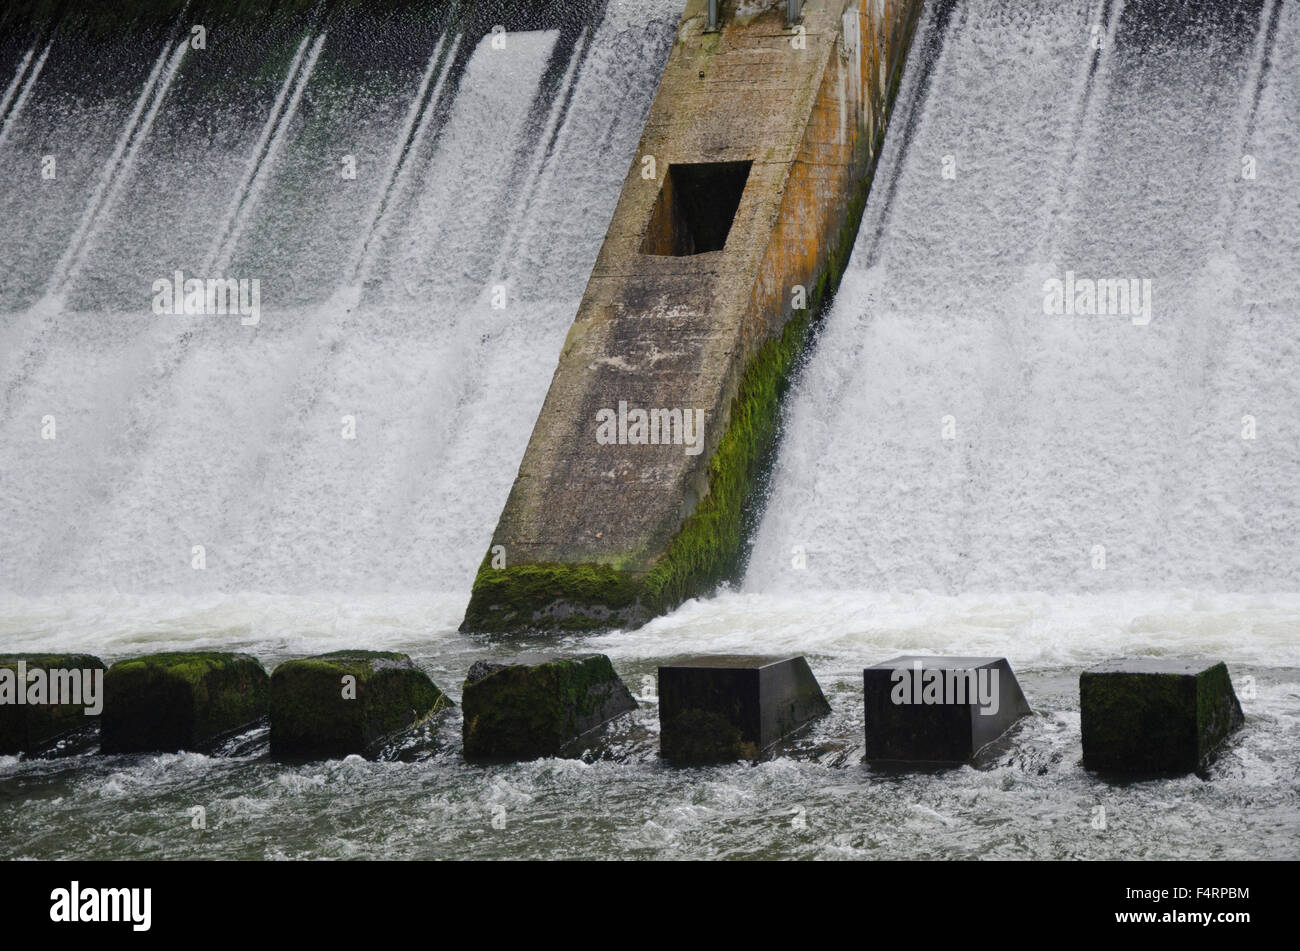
x=1149 y=715
x=44 y=697
x=539 y=704
x=729 y=707
x=348 y=702
x=180 y=701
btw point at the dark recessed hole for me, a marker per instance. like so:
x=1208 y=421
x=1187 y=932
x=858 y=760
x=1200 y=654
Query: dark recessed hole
x=695 y=208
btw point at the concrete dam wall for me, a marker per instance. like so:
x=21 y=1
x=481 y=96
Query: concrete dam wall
x=735 y=220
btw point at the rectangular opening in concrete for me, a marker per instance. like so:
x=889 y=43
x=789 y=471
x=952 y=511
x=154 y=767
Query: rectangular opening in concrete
x=695 y=208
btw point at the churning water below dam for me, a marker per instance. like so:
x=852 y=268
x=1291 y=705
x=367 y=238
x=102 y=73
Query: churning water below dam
x=1112 y=152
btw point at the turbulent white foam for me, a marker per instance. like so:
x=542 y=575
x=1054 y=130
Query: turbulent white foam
x=845 y=630
x=114 y=625
x=842 y=629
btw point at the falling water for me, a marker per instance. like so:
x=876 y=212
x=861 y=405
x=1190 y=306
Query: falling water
x=117 y=171
x=408 y=144
x=488 y=176
x=21 y=84
x=184 y=431
x=220 y=259
x=272 y=134
x=949 y=436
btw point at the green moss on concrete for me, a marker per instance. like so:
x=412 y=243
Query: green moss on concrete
x=1147 y=722
x=31 y=728
x=552 y=596
x=180 y=701
x=711 y=546
x=312 y=716
x=1218 y=712
x=537 y=706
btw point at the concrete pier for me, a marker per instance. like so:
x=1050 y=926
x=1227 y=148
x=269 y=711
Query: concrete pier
x=735 y=221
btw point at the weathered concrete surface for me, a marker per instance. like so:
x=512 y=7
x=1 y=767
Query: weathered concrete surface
x=938 y=709
x=1155 y=715
x=539 y=704
x=599 y=535
x=727 y=707
x=180 y=701
x=348 y=702
x=34 y=727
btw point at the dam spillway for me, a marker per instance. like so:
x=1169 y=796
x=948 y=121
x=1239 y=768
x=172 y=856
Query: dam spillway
x=466 y=187
x=174 y=432
x=473 y=169
x=949 y=435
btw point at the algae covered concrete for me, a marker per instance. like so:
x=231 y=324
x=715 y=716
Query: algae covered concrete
x=539 y=704
x=348 y=702
x=1155 y=715
x=610 y=522
x=29 y=728
x=180 y=701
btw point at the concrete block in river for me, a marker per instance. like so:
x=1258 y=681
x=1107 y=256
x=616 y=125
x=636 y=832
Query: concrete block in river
x=538 y=704
x=46 y=696
x=180 y=701
x=938 y=709
x=727 y=707
x=1155 y=715
x=347 y=702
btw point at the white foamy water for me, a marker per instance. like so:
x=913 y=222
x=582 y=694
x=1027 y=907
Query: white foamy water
x=183 y=431
x=845 y=629
x=948 y=436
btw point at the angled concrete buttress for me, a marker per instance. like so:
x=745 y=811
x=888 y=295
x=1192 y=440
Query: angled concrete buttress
x=734 y=224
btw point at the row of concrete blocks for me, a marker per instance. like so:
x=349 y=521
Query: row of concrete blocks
x=1138 y=716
